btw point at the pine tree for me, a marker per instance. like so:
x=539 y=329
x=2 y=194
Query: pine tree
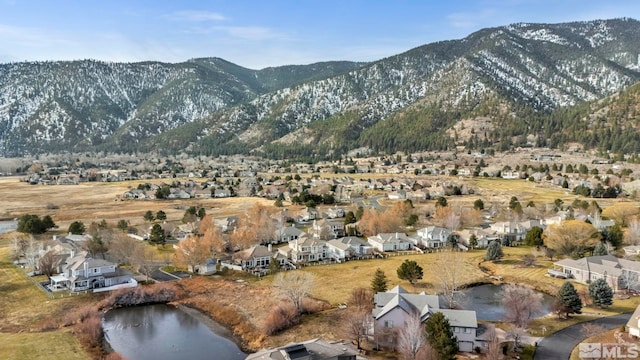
x=600 y=249
x=569 y=299
x=157 y=235
x=148 y=216
x=601 y=293
x=379 y=282
x=473 y=241
x=440 y=336
x=409 y=270
x=494 y=251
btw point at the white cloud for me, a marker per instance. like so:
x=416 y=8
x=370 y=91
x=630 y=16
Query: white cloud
x=196 y=16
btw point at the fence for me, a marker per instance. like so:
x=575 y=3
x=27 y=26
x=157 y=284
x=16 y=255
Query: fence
x=38 y=284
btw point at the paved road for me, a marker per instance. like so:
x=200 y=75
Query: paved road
x=559 y=345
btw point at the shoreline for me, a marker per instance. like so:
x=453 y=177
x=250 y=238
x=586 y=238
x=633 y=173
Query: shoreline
x=213 y=325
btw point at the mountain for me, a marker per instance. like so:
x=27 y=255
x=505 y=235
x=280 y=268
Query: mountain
x=498 y=87
x=80 y=105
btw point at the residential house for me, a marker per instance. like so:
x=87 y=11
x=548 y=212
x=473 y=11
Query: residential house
x=315 y=349
x=348 y=247
x=207 y=267
x=305 y=249
x=484 y=237
x=221 y=193
x=335 y=212
x=82 y=272
x=395 y=306
x=308 y=214
x=618 y=273
x=633 y=325
x=632 y=250
x=257 y=256
x=390 y=242
x=431 y=237
x=511 y=229
x=289 y=233
x=328 y=229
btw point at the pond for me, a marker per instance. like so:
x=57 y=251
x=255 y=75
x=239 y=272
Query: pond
x=485 y=300
x=165 y=332
x=6 y=226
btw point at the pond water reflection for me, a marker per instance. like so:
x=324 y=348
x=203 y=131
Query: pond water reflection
x=164 y=332
x=485 y=300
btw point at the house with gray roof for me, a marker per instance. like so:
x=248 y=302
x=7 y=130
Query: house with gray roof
x=633 y=325
x=432 y=237
x=348 y=247
x=395 y=306
x=82 y=272
x=315 y=349
x=289 y=233
x=617 y=272
x=390 y=242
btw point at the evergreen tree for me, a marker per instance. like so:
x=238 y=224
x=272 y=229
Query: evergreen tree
x=473 y=241
x=409 y=270
x=123 y=225
x=441 y=201
x=601 y=293
x=534 y=237
x=157 y=235
x=569 y=299
x=440 y=336
x=148 y=216
x=48 y=223
x=349 y=218
x=600 y=249
x=478 y=204
x=613 y=235
x=161 y=215
x=379 y=282
x=494 y=251
x=77 y=228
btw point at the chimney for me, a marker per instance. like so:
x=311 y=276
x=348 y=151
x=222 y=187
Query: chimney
x=269 y=247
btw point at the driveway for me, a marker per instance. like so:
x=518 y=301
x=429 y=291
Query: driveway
x=560 y=344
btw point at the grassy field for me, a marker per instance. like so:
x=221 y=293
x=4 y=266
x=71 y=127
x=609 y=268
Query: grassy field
x=25 y=308
x=52 y=345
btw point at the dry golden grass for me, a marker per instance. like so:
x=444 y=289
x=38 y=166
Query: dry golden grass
x=89 y=202
x=53 y=345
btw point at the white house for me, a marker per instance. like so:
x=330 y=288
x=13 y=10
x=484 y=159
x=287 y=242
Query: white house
x=348 y=247
x=618 y=273
x=633 y=325
x=431 y=237
x=305 y=249
x=394 y=307
x=390 y=242
x=83 y=272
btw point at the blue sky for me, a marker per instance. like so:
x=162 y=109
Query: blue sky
x=261 y=33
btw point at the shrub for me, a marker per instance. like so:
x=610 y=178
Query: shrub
x=90 y=330
x=280 y=317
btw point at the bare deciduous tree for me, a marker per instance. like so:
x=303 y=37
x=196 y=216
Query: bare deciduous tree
x=362 y=298
x=375 y=221
x=47 y=263
x=521 y=304
x=124 y=249
x=447 y=270
x=570 y=234
x=493 y=343
x=470 y=217
x=632 y=235
x=254 y=228
x=355 y=324
x=446 y=217
x=411 y=337
x=589 y=329
x=516 y=333
x=295 y=286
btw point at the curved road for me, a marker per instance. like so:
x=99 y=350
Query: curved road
x=560 y=344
